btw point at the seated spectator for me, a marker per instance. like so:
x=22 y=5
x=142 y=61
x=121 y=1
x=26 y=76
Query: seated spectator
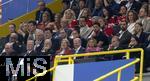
x=45 y=20
x=124 y=34
x=85 y=31
x=13 y=38
x=143 y=18
x=57 y=38
x=97 y=11
x=12 y=29
x=94 y=19
x=23 y=32
x=92 y=46
x=62 y=34
x=65 y=6
x=31 y=29
x=122 y=14
x=99 y=35
x=64 y=26
x=69 y=16
x=52 y=26
x=134 y=42
x=47 y=50
x=8 y=50
x=77 y=46
x=64 y=48
x=90 y=4
x=17 y=46
x=123 y=10
x=57 y=19
x=131 y=5
x=102 y=22
x=47 y=34
x=86 y=13
x=115 y=45
x=75 y=34
x=30 y=49
x=131 y=18
x=106 y=14
x=142 y=36
x=112 y=6
x=39 y=40
x=81 y=7
x=42 y=9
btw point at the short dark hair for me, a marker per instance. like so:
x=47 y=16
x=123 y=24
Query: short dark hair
x=48 y=29
x=32 y=22
x=96 y=23
x=13 y=25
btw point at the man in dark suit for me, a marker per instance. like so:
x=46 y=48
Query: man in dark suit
x=115 y=45
x=42 y=9
x=77 y=46
x=132 y=5
x=39 y=41
x=12 y=29
x=142 y=36
x=124 y=34
x=9 y=50
x=30 y=49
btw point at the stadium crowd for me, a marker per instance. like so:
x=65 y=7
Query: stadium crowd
x=83 y=26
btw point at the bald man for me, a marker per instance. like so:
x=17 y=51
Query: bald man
x=8 y=50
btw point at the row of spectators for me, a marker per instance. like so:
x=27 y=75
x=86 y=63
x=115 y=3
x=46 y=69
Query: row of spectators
x=82 y=27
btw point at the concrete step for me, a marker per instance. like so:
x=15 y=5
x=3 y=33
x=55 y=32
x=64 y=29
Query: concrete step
x=146 y=76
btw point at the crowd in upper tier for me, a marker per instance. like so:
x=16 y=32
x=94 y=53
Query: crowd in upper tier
x=82 y=26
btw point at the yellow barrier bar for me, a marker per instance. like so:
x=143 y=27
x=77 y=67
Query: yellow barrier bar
x=127 y=51
x=119 y=76
x=141 y=66
x=35 y=79
x=116 y=70
x=55 y=64
x=100 y=53
x=63 y=61
x=69 y=60
x=51 y=69
x=135 y=79
x=128 y=55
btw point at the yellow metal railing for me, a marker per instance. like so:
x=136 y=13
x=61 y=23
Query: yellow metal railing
x=135 y=79
x=70 y=60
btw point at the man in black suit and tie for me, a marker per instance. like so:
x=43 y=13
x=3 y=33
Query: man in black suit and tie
x=30 y=48
x=39 y=41
x=77 y=46
x=124 y=34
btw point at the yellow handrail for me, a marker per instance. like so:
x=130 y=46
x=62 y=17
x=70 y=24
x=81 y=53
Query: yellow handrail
x=41 y=74
x=117 y=70
x=98 y=53
x=70 y=59
x=135 y=79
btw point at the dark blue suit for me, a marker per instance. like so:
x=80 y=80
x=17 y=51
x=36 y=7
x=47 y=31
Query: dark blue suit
x=81 y=50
